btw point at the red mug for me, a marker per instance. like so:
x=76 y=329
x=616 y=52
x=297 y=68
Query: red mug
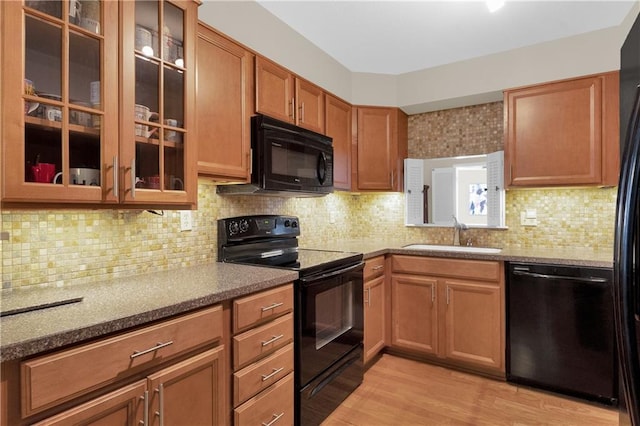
x=43 y=172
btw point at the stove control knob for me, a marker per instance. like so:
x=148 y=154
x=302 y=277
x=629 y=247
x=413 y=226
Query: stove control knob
x=244 y=225
x=287 y=223
x=294 y=224
x=233 y=228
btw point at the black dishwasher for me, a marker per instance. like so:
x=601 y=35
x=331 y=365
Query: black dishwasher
x=560 y=330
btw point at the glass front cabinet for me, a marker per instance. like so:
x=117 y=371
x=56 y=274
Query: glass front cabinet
x=97 y=100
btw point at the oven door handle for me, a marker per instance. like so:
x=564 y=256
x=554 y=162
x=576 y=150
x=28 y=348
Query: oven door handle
x=308 y=281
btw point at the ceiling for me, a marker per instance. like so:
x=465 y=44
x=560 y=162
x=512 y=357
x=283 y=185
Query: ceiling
x=396 y=37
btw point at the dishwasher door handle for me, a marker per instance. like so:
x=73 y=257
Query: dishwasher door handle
x=594 y=280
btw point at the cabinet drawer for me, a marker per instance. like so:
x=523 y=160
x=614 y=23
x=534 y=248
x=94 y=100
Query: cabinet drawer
x=257 y=308
x=262 y=374
x=373 y=267
x=472 y=269
x=260 y=341
x=273 y=406
x=51 y=379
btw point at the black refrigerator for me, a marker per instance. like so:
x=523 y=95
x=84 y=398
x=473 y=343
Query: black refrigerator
x=627 y=232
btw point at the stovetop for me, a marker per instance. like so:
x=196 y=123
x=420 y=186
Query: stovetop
x=271 y=240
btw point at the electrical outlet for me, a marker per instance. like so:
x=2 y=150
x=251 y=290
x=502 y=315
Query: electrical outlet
x=185 y=220
x=529 y=218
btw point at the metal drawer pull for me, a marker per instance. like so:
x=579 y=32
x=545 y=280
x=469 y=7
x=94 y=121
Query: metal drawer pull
x=275 y=418
x=145 y=414
x=273 y=339
x=272 y=306
x=375 y=268
x=160 y=345
x=275 y=371
x=160 y=413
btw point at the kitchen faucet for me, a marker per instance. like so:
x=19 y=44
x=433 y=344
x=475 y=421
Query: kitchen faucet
x=457 y=227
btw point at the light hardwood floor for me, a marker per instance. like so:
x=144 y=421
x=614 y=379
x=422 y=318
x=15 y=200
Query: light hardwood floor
x=398 y=392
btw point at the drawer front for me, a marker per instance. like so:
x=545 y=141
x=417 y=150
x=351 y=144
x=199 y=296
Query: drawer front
x=262 y=374
x=472 y=269
x=260 y=341
x=51 y=379
x=373 y=267
x=271 y=407
x=257 y=308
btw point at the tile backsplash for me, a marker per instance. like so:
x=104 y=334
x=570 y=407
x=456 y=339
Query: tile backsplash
x=67 y=247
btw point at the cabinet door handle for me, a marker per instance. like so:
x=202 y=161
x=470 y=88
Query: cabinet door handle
x=160 y=413
x=145 y=414
x=433 y=294
x=301 y=112
x=448 y=297
x=275 y=418
x=160 y=345
x=133 y=178
x=273 y=339
x=272 y=306
x=275 y=371
x=292 y=108
x=250 y=159
x=116 y=188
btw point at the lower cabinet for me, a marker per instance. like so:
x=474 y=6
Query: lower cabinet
x=374 y=307
x=188 y=392
x=263 y=391
x=450 y=310
x=170 y=372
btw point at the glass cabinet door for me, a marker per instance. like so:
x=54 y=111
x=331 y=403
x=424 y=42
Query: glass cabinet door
x=156 y=114
x=62 y=133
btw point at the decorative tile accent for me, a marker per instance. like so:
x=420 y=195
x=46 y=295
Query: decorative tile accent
x=66 y=247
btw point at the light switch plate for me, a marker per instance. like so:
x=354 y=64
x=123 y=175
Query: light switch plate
x=185 y=220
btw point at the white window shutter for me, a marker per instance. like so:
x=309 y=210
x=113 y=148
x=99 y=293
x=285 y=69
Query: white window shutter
x=443 y=195
x=413 y=186
x=495 y=189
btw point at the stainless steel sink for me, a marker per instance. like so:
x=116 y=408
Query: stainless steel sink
x=457 y=249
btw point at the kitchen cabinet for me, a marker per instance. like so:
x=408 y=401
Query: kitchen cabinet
x=283 y=96
x=175 y=367
x=74 y=130
x=225 y=102
x=380 y=147
x=374 y=307
x=263 y=357
x=449 y=310
x=338 y=127
x=547 y=124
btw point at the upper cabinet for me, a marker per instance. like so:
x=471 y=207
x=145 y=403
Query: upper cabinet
x=224 y=107
x=563 y=133
x=338 y=127
x=282 y=95
x=380 y=145
x=94 y=112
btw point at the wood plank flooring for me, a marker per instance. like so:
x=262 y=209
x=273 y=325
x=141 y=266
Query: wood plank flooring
x=398 y=392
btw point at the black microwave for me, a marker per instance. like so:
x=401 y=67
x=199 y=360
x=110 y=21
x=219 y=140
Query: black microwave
x=287 y=160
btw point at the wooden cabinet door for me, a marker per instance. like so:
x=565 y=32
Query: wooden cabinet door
x=562 y=133
x=414 y=313
x=309 y=105
x=224 y=107
x=338 y=127
x=190 y=392
x=473 y=323
x=124 y=406
x=374 y=317
x=381 y=146
x=274 y=90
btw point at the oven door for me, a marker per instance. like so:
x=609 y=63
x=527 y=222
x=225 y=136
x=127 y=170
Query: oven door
x=330 y=319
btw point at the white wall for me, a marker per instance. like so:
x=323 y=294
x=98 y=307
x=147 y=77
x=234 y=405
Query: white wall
x=468 y=82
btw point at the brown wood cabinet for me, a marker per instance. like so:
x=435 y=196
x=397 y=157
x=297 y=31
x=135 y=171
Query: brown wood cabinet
x=563 y=133
x=263 y=357
x=338 y=127
x=380 y=146
x=374 y=307
x=449 y=310
x=225 y=103
x=74 y=129
x=282 y=95
x=168 y=367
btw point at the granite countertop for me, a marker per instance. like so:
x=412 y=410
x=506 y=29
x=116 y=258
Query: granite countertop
x=118 y=304
x=574 y=256
x=121 y=303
